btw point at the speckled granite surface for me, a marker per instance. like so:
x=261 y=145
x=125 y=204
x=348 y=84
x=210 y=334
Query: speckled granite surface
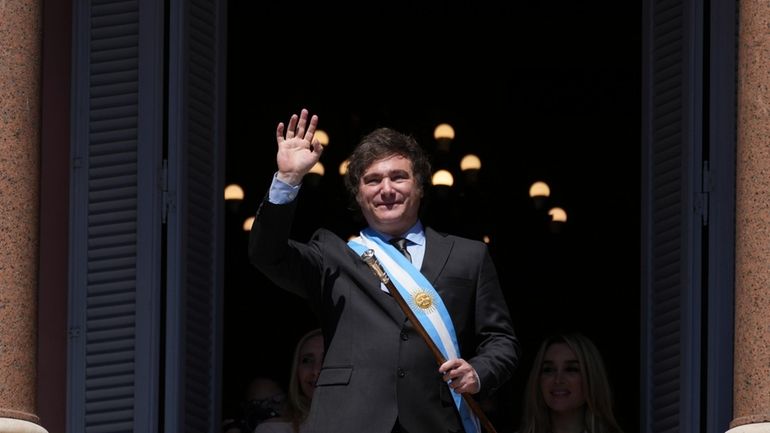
x=19 y=174
x=752 y=260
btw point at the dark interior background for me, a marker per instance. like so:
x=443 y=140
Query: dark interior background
x=538 y=91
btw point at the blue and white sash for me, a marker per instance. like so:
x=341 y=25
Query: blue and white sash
x=424 y=301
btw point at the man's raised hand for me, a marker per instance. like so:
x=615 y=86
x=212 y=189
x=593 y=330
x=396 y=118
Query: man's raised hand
x=298 y=150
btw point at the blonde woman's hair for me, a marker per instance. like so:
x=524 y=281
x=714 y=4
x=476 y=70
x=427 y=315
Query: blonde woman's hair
x=298 y=404
x=599 y=417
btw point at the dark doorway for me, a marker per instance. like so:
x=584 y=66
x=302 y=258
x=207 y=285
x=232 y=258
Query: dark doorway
x=538 y=92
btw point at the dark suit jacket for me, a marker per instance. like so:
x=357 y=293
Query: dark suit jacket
x=376 y=367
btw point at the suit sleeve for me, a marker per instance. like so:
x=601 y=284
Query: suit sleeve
x=497 y=349
x=293 y=266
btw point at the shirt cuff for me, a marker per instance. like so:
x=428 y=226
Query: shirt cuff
x=281 y=192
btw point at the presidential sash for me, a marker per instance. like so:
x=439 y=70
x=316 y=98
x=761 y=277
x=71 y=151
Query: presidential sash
x=425 y=303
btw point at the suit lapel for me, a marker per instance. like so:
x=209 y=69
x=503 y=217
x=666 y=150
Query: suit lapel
x=437 y=249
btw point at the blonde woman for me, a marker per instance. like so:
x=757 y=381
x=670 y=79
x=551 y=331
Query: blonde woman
x=306 y=365
x=568 y=390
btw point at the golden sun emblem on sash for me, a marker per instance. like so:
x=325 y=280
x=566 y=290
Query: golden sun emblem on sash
x=423 y=300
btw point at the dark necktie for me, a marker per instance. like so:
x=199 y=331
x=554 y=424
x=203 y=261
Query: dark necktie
x=400 y=244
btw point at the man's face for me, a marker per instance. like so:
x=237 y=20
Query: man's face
x=389 y=195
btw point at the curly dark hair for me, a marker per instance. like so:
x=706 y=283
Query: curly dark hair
x=382 y=143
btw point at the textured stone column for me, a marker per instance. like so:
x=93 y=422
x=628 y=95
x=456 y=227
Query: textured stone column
x=19 y=174
x=751 y=411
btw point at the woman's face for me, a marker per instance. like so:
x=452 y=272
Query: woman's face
x=561 y=381
x=311 y=356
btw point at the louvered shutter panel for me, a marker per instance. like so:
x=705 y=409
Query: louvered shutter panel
x=195 y=222
x=671 y=232
x=115 y=217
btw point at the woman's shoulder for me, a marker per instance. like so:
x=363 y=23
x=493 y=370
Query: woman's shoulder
x=274 y=426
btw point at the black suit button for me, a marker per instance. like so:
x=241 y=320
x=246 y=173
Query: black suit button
x=404 y=335
x=401 y=372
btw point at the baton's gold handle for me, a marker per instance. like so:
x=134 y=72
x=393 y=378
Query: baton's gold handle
x=369 y=258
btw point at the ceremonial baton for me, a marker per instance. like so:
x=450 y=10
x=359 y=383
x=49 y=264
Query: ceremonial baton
x=374 y=265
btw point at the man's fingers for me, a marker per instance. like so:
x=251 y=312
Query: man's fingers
x=460 y=376
x=292 y=126
x=301 y=124
x=316 y=146
x=311 y=129
x=279 y=132
x=300 y=127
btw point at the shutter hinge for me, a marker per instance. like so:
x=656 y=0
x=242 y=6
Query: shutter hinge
x=165 y=197
x=702 y=197
x=73 y=332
